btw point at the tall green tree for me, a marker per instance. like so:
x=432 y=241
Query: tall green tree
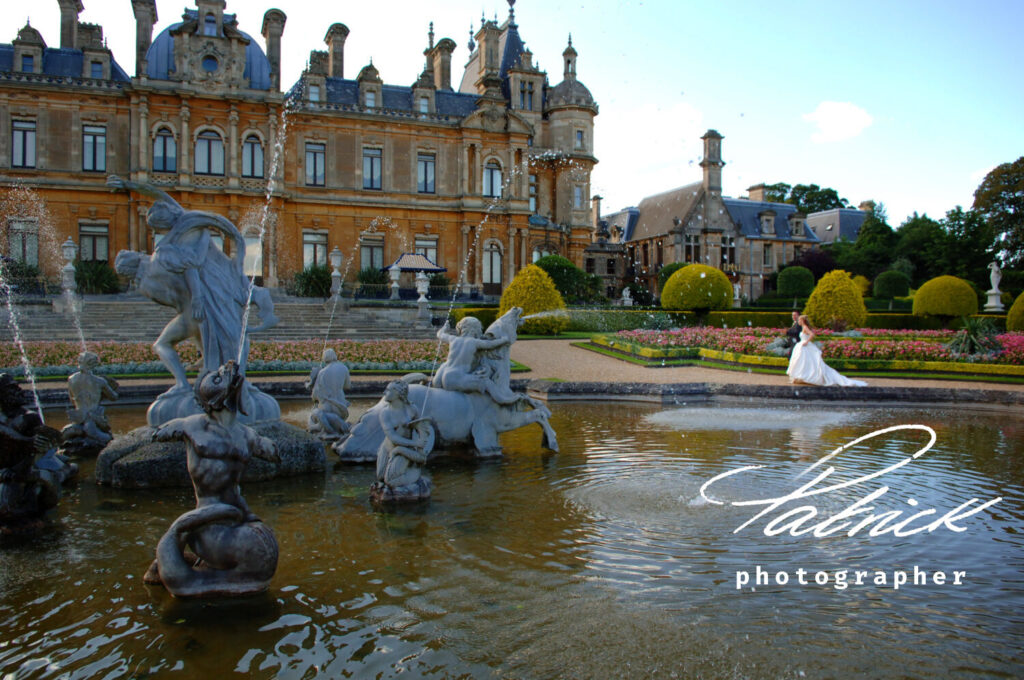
x=970 y=246
x=922 y=241
x=808 y=198
x=872 y=252
x=1000 y=199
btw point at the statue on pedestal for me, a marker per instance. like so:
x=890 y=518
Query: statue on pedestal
x=188 y=272
x=220 y=548
x=470 y=401
x=88 y=431
x=408 y=440
x=995 y=302
x=329 y=415
x=28 y=486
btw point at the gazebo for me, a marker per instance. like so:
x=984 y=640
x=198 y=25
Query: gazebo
x=411 y=263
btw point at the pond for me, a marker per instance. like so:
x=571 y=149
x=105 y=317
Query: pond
x=604 y=560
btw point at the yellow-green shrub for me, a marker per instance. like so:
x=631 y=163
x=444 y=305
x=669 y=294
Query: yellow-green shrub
x=697 y=287
x=534 y=291
x=1015 y=317
x=945 y=296
x=863 y=285
x=836 y=302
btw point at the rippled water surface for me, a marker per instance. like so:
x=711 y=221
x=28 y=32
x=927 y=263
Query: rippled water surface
x=603 y=560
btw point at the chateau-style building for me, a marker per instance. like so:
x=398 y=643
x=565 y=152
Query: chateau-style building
x=748 y=238
x=493 y=171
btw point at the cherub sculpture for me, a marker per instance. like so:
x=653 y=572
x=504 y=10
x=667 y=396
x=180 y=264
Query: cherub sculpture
x=329 y=415
x=408 y=440
x=88 y=430
x=231 y=551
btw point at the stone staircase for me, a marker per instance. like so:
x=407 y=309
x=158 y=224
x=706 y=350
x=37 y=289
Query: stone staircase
x=123 y=319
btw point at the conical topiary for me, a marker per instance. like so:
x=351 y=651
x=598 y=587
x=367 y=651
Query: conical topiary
x=836 y=302
x=534 y=291
x=697 y=287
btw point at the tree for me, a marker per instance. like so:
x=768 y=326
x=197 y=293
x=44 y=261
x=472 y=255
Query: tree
x=872 y=252
x=534 y=291
x=820 y=262
x=808 y=198
x=836 y=302
x=945 y=297
x=697 y=287
x=1000 y=198
x=922 y=242
x=970 y=246
x=795 y=282
x=891 y=284
x=666 y=272
x=572 y=283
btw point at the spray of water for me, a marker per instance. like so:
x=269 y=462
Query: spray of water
x=7 y=292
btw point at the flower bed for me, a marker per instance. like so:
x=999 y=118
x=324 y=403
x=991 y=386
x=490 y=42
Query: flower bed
x=875 y=344
x=59 y=358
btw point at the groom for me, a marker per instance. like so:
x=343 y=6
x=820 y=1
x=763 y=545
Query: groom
x=793 y=334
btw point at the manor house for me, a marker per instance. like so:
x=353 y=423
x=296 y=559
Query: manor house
x=491 y=169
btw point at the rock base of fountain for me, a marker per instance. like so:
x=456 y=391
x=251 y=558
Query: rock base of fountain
x=134 y=461
x=181 y=402
x=417 y=491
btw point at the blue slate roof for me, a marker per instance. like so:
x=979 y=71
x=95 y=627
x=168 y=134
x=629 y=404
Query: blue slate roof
x=746 y=215
x=626 y=220
x=511 y=51
x=160 y=57
x=845 y=222
x=58 y=61
x=396 y=97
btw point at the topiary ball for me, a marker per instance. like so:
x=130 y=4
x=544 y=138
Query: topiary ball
x=945 y=296
x=891 y=284
x=1015 y=317
x=795 y=281
x=534 y=291
x=697 y=287
x=836 y=302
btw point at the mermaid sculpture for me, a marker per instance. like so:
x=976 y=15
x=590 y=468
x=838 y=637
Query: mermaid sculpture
x=220 y=548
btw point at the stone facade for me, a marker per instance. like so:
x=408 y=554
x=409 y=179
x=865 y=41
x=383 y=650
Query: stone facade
x=493 y=174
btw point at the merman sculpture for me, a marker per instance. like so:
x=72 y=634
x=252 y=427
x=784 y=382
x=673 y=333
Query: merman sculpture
x=329 y=415
x=471 y=401
x=408 y=440
x=188 y=272
x=29 y=487
x=230 y=552
x=88 y=430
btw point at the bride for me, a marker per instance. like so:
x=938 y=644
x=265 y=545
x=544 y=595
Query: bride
x=807 y=366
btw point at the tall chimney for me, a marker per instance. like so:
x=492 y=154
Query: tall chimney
x=69 y=11
x=867 y=206
x=273 y=28
x=442 y=62
x=145 y=19
x=712 y=161
x=756 y=192
x=335 y=40
x=595 y=205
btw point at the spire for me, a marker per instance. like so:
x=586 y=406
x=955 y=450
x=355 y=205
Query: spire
x=511 y=13
x=472 y=45
x=431 y=34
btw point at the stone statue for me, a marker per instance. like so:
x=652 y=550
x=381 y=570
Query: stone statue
x=995 y=275
x=88 y=430
x=462 y=371
x=471 y=404
x=188 y=272
x=229 y=550
x=408 y=441
x=329 y=415
x=28 y=487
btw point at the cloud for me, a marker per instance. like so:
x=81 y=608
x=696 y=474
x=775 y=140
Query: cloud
x=837 y=121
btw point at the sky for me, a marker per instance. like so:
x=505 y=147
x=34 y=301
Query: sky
x=905 y=102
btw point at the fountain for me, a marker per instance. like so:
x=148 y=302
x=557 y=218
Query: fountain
x=88 y=430
x=469 y=400
x=327 y=384
x=211 y=294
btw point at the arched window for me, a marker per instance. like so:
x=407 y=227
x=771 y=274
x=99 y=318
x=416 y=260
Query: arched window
x=492 y=179
x=210 y=25
x=165 y=152
x=492 y=264
x=209 y=153
x=252 y=157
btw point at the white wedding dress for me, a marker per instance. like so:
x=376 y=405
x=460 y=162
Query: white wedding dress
x=807 y=365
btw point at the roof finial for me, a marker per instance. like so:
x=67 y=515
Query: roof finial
x=472 y=45
x=483 y=19
x=431 y=35
x=570 y=40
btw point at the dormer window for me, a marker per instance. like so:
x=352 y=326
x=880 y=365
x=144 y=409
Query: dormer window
x=424 y=105
x=371 y=100
x=27 y=63
x=767 y=223
x=210 y=25
x=314 y=93
x=96 y=69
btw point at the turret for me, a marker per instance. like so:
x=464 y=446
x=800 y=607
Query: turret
x=712 y=163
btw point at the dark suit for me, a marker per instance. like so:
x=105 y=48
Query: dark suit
x=793 y=336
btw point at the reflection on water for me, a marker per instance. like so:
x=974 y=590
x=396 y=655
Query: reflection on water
x=600 y=561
